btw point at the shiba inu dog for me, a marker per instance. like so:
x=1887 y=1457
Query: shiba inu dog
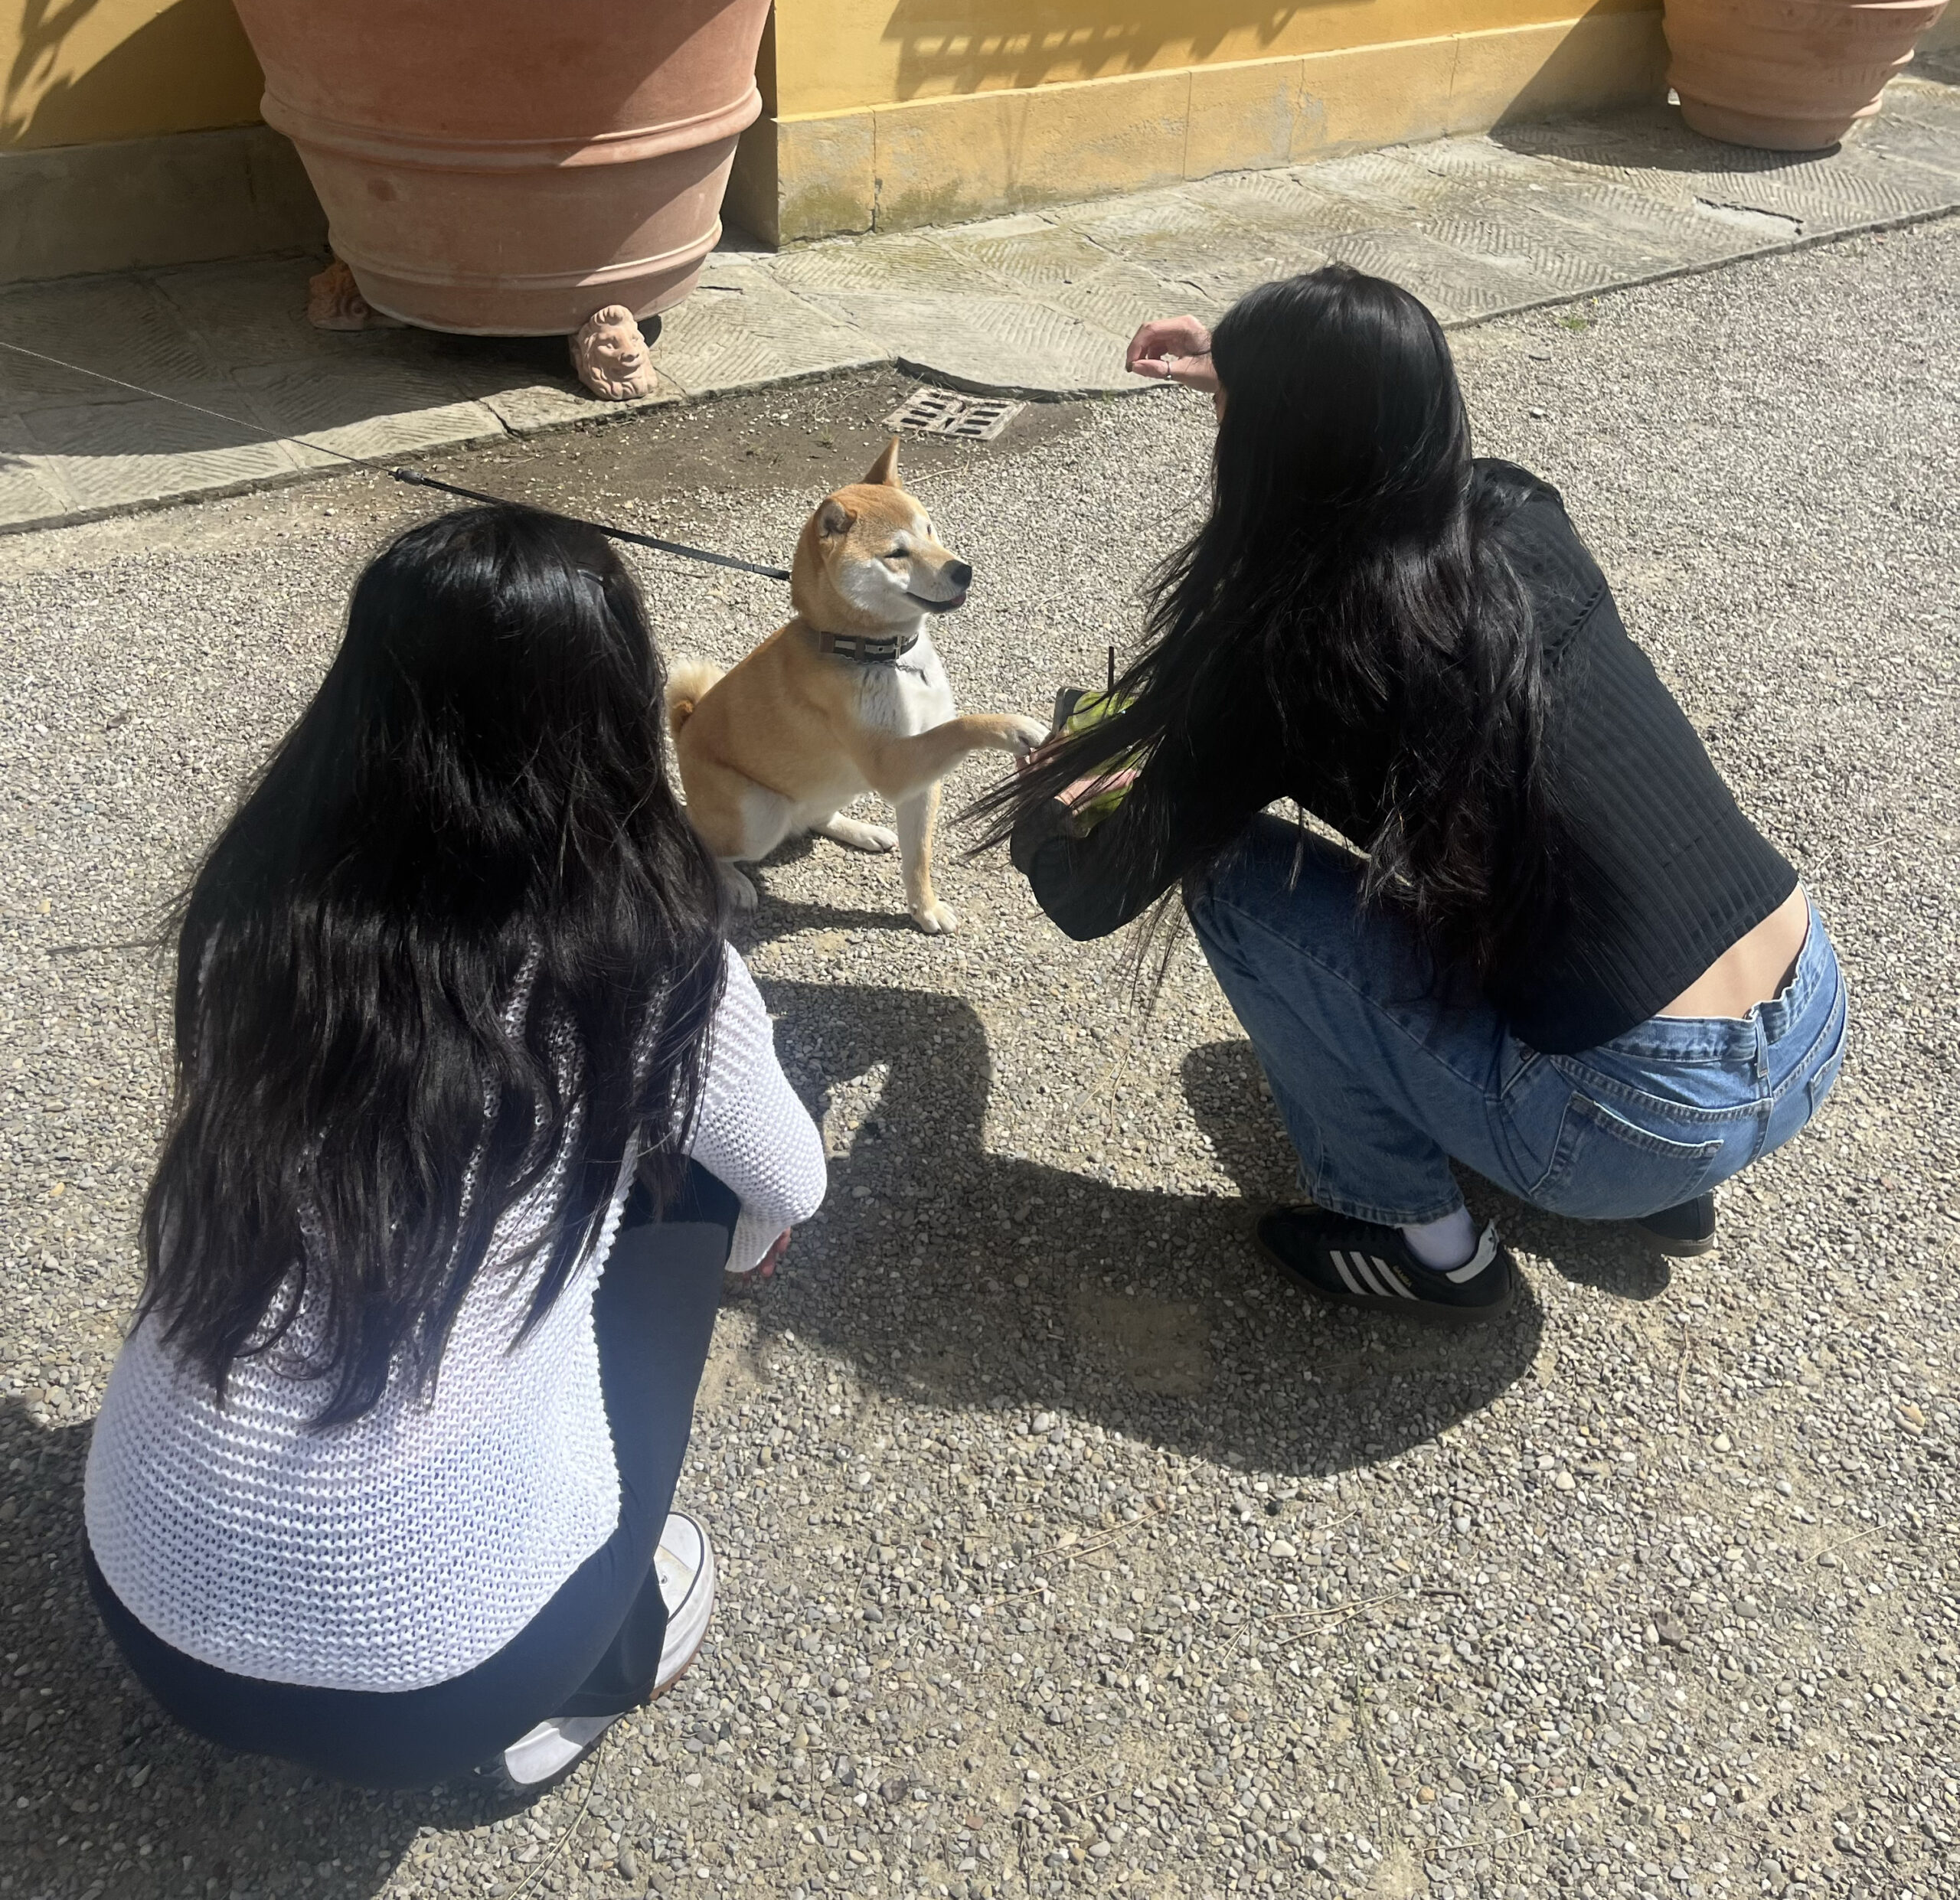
x=849 y=697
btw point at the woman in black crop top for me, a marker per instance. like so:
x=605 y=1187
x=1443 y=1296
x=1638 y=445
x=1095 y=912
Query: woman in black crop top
x=1552 y=947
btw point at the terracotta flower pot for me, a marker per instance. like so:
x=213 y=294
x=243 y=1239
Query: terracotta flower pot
x=508 y=167
x=1789 y=75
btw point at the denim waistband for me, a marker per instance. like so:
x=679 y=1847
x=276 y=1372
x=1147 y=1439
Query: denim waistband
x=1720 y=1039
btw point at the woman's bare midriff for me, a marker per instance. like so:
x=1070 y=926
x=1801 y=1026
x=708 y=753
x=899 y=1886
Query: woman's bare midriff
x=1753 y=968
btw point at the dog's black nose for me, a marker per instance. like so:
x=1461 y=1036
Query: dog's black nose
x=959 y=573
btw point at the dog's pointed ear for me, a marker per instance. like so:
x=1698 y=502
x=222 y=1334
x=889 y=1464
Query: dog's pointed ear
x=834 y=517
x=884 y=471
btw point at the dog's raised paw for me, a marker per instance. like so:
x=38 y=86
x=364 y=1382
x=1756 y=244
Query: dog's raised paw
x=936 y=920
x=1025 y=734
x=741 y=891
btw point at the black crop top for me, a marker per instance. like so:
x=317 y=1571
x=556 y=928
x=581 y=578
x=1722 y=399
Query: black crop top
x=1662 y=871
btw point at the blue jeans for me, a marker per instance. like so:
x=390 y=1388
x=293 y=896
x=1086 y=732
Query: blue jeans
x=1382 y=1084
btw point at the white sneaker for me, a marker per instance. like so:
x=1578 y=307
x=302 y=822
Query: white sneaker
x=549 y=1753
x=684 y=1564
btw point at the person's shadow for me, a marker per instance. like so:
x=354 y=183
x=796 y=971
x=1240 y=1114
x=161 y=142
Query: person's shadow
x=967 y=1277
x=1227 y=1095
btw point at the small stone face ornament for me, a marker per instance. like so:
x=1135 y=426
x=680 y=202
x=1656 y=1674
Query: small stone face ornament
x=609 y=355
x=334 y=301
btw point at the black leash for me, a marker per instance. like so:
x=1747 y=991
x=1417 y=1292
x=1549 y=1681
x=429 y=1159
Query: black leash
x=410 y=475
x=420 y=481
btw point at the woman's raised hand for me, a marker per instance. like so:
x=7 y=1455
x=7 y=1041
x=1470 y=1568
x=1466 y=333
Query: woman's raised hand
x=1173 y=350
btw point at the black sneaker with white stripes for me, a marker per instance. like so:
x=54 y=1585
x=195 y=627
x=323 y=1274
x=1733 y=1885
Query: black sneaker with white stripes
x=1356 y=1263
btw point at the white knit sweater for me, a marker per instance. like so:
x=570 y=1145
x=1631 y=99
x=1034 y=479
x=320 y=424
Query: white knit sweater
x=410 y=1546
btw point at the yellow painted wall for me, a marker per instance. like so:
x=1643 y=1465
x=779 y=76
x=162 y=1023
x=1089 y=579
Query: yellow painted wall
x=835 y=56
x=946 y=157
x=77 y=72
x=81 y=72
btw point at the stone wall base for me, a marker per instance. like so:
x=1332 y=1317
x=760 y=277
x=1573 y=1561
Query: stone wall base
x=134 y=203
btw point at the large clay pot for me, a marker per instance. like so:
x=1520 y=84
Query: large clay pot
x=1788 y=75
x=507 y=167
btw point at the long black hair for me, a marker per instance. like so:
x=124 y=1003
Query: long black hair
x=1347 y=581
x=458 y=940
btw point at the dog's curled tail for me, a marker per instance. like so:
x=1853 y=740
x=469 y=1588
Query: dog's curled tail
x=687 y=682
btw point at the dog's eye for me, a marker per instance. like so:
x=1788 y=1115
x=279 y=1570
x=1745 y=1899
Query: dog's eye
x=897 y=554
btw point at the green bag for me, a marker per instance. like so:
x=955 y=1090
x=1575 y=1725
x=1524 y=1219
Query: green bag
x=1078 y=709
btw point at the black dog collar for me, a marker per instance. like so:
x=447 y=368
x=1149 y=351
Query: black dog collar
x=864 y=647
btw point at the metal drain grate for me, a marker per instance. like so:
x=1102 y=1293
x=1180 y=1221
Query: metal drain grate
x=938 y=412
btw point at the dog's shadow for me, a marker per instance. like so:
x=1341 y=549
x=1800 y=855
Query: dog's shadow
x=777 y=916
x=966 y=1277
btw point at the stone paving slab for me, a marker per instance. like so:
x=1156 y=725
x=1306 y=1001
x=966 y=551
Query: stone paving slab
x=28 y=490
x=1038 y=305
x=744 y=328
x=1116 y=299
x=108 y=456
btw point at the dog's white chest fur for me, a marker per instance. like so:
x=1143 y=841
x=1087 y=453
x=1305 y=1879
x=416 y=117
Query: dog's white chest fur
x=911 y=696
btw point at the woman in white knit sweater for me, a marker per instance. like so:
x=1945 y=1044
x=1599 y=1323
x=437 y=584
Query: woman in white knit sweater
x=473 y=1105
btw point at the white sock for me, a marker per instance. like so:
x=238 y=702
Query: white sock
x=1443 y=1243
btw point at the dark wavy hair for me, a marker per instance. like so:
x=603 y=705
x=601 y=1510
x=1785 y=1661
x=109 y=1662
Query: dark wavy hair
x=1348 y=574
x=459 y=939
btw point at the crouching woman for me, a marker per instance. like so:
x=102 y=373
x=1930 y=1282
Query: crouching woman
x=1533 y=933
x=473 y=1105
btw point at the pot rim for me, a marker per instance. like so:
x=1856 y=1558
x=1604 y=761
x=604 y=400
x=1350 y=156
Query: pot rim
x=379 y=145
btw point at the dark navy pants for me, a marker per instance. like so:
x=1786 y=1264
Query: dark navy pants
x=593 y=1649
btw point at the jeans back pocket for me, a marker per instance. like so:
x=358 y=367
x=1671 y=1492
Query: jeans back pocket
x=1604 y=1167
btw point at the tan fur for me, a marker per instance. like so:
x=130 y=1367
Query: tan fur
x=687 y=681
x=781 y=742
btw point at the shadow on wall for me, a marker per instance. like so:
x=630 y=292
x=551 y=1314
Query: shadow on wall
x=990 y=45
x=189 y=68
x=1575 y=78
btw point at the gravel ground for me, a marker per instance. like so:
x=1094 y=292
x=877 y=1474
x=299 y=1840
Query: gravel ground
x=1065 y=1551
